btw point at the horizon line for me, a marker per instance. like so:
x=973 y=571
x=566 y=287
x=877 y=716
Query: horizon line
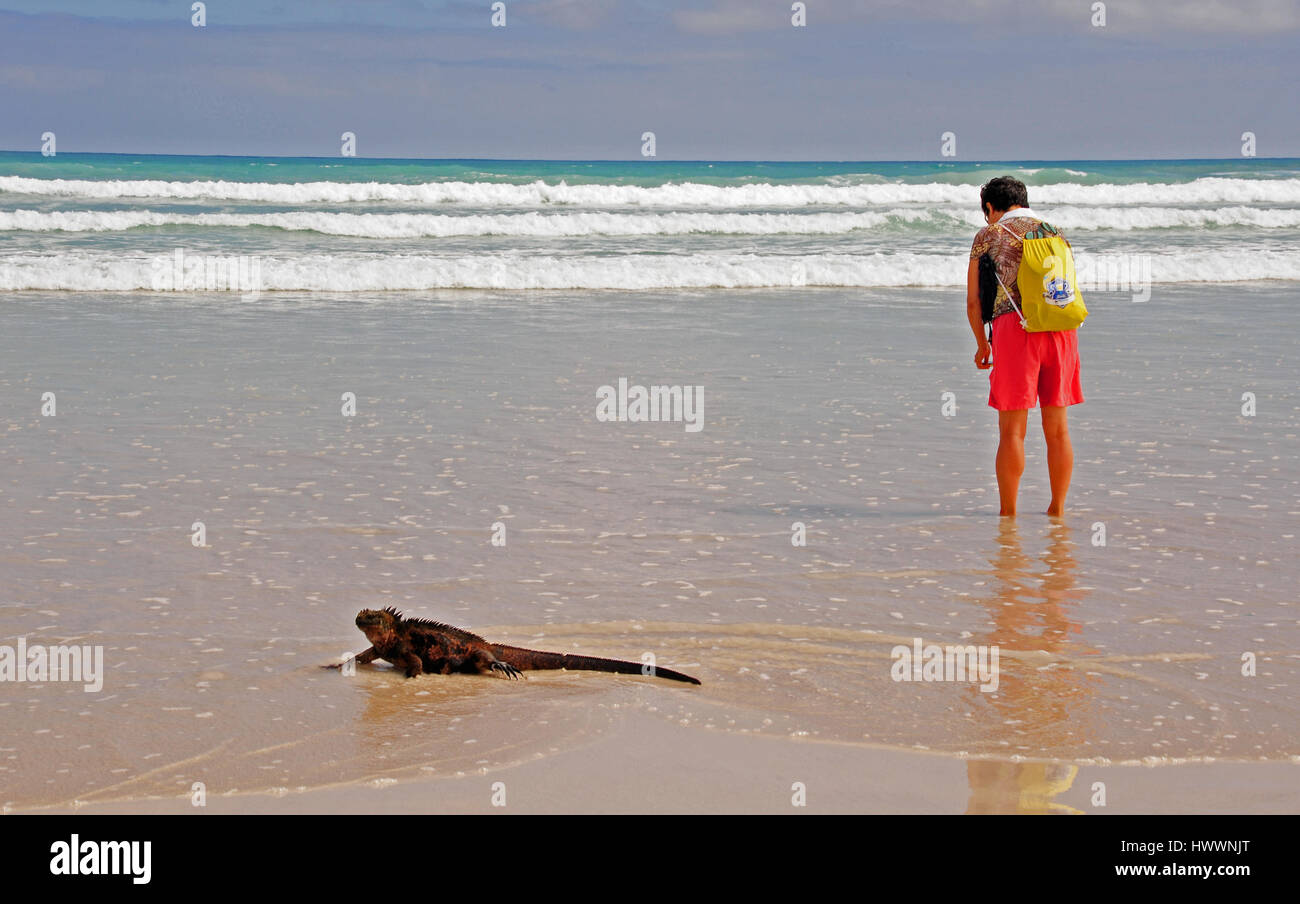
x=652 y=160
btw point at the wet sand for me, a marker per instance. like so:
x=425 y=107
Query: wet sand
x=642 y=764
x=475 y=409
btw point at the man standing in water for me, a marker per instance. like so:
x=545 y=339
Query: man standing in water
x=1027 y=368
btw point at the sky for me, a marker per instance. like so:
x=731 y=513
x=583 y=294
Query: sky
x=713 y=79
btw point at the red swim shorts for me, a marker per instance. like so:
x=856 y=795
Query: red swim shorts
x=1033 y=368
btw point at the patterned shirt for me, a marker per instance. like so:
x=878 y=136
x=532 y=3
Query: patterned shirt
x=1006 y=254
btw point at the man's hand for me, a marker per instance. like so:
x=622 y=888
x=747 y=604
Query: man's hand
x=984 y=356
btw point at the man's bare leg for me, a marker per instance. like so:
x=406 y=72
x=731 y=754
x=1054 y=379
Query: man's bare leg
x=1011 y=456
x=1060 y=456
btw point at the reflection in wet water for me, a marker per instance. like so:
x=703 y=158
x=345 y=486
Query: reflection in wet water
x=1001 y=787
x=1030 y=610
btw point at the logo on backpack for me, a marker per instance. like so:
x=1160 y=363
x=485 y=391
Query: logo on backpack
x=1058 y=292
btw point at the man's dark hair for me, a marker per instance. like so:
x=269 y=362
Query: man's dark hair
x=1004 y=193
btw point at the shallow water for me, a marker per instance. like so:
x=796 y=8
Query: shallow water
x=820 y=406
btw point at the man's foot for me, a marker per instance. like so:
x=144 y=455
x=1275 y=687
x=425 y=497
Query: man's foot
x=1056 y=511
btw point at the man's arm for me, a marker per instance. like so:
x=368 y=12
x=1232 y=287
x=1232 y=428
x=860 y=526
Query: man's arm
x=983 y=351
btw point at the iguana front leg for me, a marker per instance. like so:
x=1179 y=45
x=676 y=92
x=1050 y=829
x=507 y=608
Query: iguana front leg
x=363 y=658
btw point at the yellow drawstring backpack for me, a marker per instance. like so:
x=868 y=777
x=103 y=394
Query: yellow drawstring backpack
x=1049 y=292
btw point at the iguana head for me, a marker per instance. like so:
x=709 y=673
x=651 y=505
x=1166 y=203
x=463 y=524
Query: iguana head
x=379 y=624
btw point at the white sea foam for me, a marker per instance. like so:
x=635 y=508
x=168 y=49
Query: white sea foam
x=408 y=225
x=687 y=194
x=352 y=272
x=1129 y=218
x=597 y=223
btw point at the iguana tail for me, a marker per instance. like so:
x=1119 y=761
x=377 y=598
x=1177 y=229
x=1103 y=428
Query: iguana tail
x=537 y=659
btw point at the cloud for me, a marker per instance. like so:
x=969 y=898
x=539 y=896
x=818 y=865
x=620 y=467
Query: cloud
x=19 y=76
x=730 y=17
x=719 y=17
x=572 y=14
x=553 y=84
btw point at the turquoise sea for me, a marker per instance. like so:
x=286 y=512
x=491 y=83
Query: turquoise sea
x=114 y=221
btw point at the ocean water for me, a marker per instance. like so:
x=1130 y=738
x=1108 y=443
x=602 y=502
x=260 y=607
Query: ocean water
x=98 y=222
x=1122 y=628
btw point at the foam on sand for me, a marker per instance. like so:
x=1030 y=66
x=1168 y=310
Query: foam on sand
x=92 y=271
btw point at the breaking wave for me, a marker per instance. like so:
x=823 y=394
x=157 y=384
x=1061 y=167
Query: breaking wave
x=1208 y=190
x=357 y=272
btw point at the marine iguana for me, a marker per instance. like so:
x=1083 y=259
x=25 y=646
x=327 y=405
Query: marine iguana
x=416 y=645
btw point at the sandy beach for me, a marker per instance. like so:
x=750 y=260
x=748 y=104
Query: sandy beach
x=643 y=764
x=1121 y=662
